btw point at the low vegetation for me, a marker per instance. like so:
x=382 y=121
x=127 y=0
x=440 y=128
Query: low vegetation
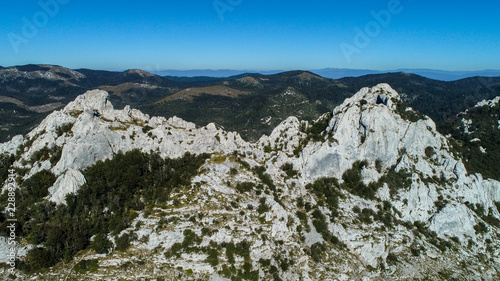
x=52 y=154
x=407 y=113
x=315 y=131
x=327 y=193
x=288 y=169
x=353 y=182
x=86 y=266
x=6 y=161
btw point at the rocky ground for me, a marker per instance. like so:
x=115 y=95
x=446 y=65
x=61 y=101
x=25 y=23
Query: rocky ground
x=370 y=191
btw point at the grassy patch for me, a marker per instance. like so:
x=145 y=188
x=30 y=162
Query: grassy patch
x=218 y=158
x=118 y=128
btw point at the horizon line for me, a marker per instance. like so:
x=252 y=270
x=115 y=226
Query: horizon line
x=254 y=70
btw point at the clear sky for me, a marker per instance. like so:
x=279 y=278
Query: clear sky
x=251 y=34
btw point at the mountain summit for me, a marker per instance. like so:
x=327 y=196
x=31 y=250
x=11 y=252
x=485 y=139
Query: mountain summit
x=369 y=191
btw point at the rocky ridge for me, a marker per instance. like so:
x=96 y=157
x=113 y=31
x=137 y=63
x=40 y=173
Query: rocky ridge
x=431 y=212
x=49 y=72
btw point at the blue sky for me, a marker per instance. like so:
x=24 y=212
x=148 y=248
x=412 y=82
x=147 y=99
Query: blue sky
x=251 y=35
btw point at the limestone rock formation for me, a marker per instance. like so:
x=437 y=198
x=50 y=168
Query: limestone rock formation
x=415 y=211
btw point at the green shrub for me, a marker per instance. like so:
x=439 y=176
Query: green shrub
x=353 y=182
x=245 y=186
x=416 y=250
x=396 y=180
x=409 y=115
x=318 y=127
x=302 y=216
x=38 y=185
x=440 y=203
x=392 y=258
x=366 y=216
x=429 y=151
x=264 y=177
x=486 y=216
x=300 y=202
x=190 y=238
x=86 y=266
x=319 y=222
x=101 y=244
x=327 y=193
x=263 y=207
x=265 y=262
x=122 y=242
x=378 y=165
x=317 y=250
x=6 y=161
x=40 y=155
x=288 y=169
x=212 y=256
x=39 y=258
x=241 y=249
x=314 y=132
x=65 y=128
x=480 y=228
x=485 y=128
x=175 y=250
x=116 y=190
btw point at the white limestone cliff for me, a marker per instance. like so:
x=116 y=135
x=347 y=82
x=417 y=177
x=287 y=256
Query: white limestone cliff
x=99 y=131
x=371 y=126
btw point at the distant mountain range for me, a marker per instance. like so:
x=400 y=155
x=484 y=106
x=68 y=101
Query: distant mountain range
x=251 y=104
x=336 y=73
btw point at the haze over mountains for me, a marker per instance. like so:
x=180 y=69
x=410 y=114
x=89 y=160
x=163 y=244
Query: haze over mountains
x=336 y=73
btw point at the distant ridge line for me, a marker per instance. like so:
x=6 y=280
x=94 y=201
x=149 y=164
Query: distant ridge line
x=335 y=73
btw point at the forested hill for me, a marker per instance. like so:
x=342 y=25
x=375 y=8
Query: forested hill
x=251 y=104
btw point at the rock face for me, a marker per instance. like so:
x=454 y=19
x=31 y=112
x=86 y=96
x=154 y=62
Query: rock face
x=69 y=182
x=424 y=200
x=98 y=131
x=365 y=127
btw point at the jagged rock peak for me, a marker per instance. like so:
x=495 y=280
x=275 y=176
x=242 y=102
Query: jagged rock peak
x=95 y=100
x=380 y=94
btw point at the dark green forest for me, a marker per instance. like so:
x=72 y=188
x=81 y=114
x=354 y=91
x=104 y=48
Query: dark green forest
x=484 y=132
x=115 y=191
